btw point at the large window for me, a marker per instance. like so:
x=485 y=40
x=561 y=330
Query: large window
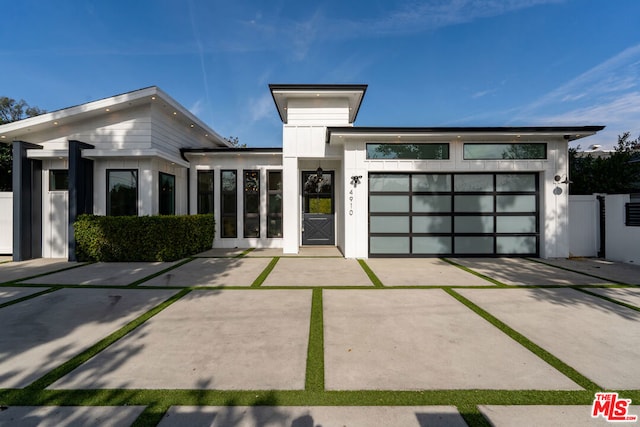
x=274 y=204
x=518 y=151
x=413 y=151
x=122 y=192
x=205 y=192
x=167 y=194
x=251 y=184
x=229 y=203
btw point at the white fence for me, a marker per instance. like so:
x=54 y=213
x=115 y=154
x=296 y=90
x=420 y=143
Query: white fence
x=6 y=223
x=622 y=243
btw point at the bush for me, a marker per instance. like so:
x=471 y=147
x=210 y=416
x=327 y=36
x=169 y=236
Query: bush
x=142 y=238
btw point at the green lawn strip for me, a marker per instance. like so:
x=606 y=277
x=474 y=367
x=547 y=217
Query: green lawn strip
x=472 y=416
x=552 y=360
x=606 y=298
x=152 y=415
x=475 y=273
x=16 y=281
x=28 y=297
x=81 y=358
x=267 y=270
x=244 y=253
x=314 y=379
x=577 y=271
x=161 y=272
x=372 y=276
x=164 y=398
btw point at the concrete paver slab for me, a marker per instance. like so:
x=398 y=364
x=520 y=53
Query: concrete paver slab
x=41 y=333
x=422 y=272
x=317 y=272
x=614 y=271
x=10 y=293
x=297 y=416
x=265 y=252
x=544 y=415
x=12 y=271
x=103 y=274
x=213 y=272
x=221 y=253
x=408 y=339
x=522 y=272
x=628 y=295
x=223 y=339
x=598 y=338
x=68 y=416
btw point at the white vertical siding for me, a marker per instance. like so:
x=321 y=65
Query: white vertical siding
x=6 y=222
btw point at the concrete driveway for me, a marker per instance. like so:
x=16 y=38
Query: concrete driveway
x=232 y=339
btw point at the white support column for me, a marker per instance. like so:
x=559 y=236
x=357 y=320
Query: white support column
x=291 y=221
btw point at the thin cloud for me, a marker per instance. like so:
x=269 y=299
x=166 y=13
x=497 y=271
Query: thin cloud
x=261 y=108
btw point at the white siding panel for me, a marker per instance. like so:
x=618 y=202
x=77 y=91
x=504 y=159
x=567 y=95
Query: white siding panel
x=6 y=222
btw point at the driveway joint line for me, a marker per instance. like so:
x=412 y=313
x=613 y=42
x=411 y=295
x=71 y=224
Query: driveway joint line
x=265 y=273
x=28 y=297
x=161 y=272
x=475 y=273
x=22 y=279
x=377 y=283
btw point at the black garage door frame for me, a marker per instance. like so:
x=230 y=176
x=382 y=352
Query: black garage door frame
x=491 y=216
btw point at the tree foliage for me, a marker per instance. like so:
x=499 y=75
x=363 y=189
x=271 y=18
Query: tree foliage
x=614 y=174
x=235 y=142
x=11 y=111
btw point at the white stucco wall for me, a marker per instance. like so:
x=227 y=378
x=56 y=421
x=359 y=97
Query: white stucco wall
x=623 y=243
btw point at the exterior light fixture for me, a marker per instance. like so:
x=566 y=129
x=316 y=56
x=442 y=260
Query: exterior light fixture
x=319 y=172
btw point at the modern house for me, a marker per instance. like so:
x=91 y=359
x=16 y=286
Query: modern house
x=370 y=191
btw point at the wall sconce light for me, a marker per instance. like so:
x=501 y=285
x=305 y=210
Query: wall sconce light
x=558 y=179
x=355 y=180
x=319 y=172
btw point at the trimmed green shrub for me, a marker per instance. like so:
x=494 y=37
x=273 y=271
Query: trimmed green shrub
x=142 y=238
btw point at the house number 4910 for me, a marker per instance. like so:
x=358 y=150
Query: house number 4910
x=350 y=202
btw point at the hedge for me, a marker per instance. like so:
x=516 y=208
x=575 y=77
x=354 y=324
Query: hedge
x=142 y=238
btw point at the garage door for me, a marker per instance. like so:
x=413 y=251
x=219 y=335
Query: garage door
x=447 y=214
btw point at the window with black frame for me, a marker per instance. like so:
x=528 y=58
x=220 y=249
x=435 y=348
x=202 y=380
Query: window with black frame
x=228 y=203
x=251 y=184
x=122 y=192
x=274 y=204
x=205 y=192
x=167 y=194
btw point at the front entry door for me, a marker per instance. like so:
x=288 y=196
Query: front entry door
x=318 y=225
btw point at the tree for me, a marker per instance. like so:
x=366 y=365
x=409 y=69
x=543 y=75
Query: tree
x=616 y=173
x=11 y=111
x=235 y=142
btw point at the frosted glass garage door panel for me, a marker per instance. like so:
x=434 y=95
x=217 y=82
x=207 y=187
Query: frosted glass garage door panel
x=389 y=245
x=431 y=203
x=473 y=224
x=389 y=224
x=473 y=183
x=516 y=224
x=516 y=245
x=389 y=203
x=473 y=203
x=388 y=182
x=474 y=245
x=516 y=182
x=431 y=182
x=431 y=224
x=432 y=245
x=516 y=203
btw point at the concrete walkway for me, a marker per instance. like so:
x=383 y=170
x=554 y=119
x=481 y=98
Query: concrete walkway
x=434 y=334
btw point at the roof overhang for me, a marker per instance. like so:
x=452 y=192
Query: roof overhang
x=21 y=129
x=404 y=134
x=282 y=93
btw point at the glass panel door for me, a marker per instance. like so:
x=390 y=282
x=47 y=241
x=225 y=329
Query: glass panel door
x=318 y=208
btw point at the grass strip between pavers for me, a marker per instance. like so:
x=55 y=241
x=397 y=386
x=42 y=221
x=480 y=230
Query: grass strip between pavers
x=267 y=270
x=71 y=364
x=244 y=253
x=314 y=378
x=475 y=273
x=27 y=297
x=372 y=276
x=552 y=360
x=610 y=299
x=161 y=272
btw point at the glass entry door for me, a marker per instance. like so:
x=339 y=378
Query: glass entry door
x=318 y=225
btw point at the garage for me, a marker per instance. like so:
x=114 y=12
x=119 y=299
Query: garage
x=453 y=214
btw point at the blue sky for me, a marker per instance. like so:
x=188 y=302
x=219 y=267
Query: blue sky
x=427 y=63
